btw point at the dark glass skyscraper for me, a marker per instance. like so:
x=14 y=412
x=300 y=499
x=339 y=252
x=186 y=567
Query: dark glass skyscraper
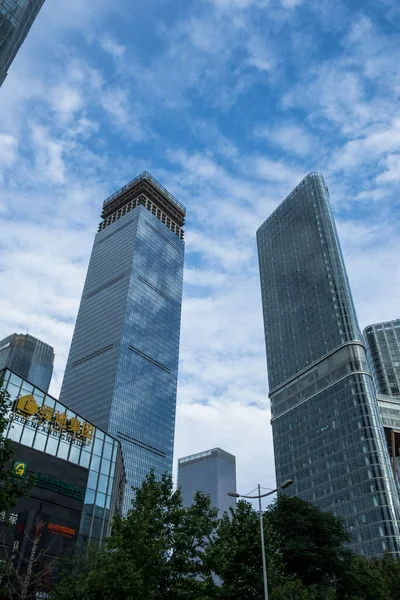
x=16 y=19
x=212 y=472
x=123 y=363
x=383 y=345
x=327 y=430
x=29 y=357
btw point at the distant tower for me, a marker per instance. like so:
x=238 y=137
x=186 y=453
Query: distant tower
x=383 y=345
x=16 y=19
x=212 y=472
x=29 y=358
x=327 y=430
x=122 y=367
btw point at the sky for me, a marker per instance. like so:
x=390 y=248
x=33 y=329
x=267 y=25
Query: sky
x=229 y=104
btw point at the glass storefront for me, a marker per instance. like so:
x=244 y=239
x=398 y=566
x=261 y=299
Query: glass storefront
x=39 y=421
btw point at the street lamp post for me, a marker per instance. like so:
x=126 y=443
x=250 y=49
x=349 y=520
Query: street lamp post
x=282 y=486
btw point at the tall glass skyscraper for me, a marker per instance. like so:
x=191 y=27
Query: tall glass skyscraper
x=16 y=19
x=29 y=357
x=383 y=345
x=327 y=430
x=212 y=472
x=123 y=363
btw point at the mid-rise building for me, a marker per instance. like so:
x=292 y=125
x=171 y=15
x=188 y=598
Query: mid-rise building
x=16 y=19
x=389 y=407
x=122 y=367
x=212 y=472
x=327 y=428
x=31 y=358
x=383 y=346
x=383 y=350
x=78 y=472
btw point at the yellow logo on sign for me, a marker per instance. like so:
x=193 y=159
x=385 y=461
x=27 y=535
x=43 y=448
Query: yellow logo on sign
x=27 y=405
x=19 y=469
x=56 y=421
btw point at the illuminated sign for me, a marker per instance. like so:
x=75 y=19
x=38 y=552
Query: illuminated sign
x=19 y=469
x=48 y=420
x=56 y=485
x=61 y=530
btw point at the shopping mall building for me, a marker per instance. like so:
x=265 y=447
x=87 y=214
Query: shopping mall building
x=76 y=473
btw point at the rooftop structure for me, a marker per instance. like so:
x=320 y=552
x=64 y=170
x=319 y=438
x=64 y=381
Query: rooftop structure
x=145 y=190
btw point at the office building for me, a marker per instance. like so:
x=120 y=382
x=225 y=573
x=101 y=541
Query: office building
x=390 y=411
x=16 y=19
x=122 y=367
x=327 y=428
x=212 y=472
x=31 y=358
x=78 y=472
x=383 y=346
x=383 y=350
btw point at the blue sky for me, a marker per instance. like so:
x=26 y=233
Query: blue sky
x=229 y=103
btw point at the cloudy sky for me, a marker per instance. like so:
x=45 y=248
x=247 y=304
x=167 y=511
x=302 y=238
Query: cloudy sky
x=228 y=103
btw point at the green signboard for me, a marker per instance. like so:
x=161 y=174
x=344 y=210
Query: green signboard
x=19 y=469
x=56 y=485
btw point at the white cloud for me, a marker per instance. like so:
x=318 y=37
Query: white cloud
x=115 y=50
x=8 y=153
x=280 y=171
x=66 y=100
x=292 y=138
x=259 y=54
x=49 y=155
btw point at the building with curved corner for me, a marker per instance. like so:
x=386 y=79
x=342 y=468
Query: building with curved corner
x=327 y=428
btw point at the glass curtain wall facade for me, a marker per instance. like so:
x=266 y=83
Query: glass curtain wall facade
x=123 y=363
x=40 y=422
x=212 y=472
x=327 y=429
x=31 y=358
x=16 y=19
x=383 y=346
x=390 y=410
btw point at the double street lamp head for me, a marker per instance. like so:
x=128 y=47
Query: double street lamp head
x=282 y=486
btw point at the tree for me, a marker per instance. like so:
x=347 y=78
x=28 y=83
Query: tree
x=157 y=552
x=25 y=576
x=236 y=555
x=389 y=570
x=11 y=488
x=361 y=580
x=311 y=542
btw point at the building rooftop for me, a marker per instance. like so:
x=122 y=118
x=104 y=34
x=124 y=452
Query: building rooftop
x=206 y=453
x=145 y=176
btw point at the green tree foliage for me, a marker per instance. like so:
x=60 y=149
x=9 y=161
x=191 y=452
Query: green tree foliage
x=311 y=542
x=389 y=571
x=11 y=488
x=162 y=551
x=361 y=580
x=235 y=554
x=156 y=553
